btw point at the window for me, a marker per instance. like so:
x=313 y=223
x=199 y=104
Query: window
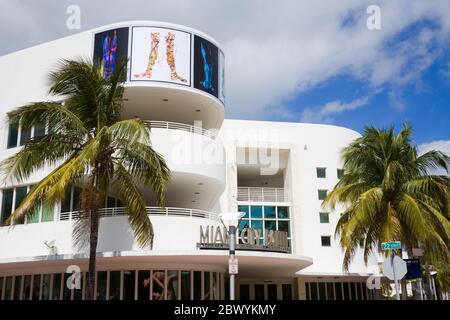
x=322 y=194
x=340 y=173
x=265 y=218
x=326 y=241
x=18 y=136
x=324 y=217
x=321 y=172
x=72 y=200
x=12 y=197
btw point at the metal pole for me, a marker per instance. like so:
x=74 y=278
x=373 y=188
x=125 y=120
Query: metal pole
x=420 y=288
x=397 y=291
x=434 y=288
x=232 y=232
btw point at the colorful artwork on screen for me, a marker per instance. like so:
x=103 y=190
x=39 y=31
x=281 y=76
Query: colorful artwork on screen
x=110 y=48
x=160 y=54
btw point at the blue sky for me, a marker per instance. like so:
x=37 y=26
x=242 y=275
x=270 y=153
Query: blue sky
x=294 y=60
x=423 y=101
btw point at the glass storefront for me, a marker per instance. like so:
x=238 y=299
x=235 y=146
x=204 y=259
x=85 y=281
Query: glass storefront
x=157 y=284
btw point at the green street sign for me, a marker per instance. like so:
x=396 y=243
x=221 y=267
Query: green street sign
x=391 y=245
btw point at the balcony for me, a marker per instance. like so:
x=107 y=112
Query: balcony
x=259 y=194
x=179 y=126
x=168 y=211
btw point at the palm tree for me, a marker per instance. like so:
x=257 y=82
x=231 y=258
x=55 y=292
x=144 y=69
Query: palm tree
x=390 y=194
x=90 y=146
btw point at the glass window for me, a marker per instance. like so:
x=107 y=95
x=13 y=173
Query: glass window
x=283 y=212
x=114 y=285
x=39 y=130
x=47 y=214
x=257 y=224
x=13 y=134
x=128 y=284
x=338 y=290
x=101 y=285
x=321 y=172
x=256 y=212
x=197 y=285
x=324 y=217
x=244 y=292
x=363 y=289
x=17 y=287
x=215 y=286
x=110 y=202
x=322 y=194
x=259 y=292
x=206 y=286
x=46 y=287
x=270 y=225
x=243 y=224
x=286 y=289
x=7 y=204
x=36 y=287
x=67 y=292
x=322 y=295
x=307 y=291
x=65 y=205
x=8 y=288
x=21 y=193
x=172 y=285
x=245 y=210
x=330 y=291
x=76 y=205
x=284 y=226
x=185 y=285
x=358 y=290
x=56 y=293
x=313 y=291
x=326 y=241
x=272 y=293
x=269 y=212
x=352 y=290
x=159 y=285
x=25 y=136
x=144 y=285
x=340 y=173
x=26 y=287
x=346 y=291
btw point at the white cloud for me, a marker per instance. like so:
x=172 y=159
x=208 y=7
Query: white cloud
x=439 y=145
x=324 y=113
x=274 y=49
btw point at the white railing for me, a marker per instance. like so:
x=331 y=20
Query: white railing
x=167 y=211
x=262 y=194
x=180 y=126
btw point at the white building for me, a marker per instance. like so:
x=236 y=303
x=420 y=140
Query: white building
x=279 y=189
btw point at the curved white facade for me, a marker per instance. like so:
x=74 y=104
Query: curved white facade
x=275 y=172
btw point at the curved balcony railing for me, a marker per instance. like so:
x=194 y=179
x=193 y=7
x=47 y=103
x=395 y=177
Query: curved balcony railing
x=180 y=126
x=263 y=194
x=167 y=211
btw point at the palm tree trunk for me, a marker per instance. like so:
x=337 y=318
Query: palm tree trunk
x=93 y=240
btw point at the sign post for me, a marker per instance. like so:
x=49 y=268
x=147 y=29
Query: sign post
x=395 y=267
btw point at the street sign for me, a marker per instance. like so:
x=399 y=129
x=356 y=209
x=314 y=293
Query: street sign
x=400 y=268
x=232 y=266
x=413 y=267
x=391 y=245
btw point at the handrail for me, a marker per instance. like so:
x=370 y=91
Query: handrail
x=167 y=211
x=262 y=194
x=180 y=126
